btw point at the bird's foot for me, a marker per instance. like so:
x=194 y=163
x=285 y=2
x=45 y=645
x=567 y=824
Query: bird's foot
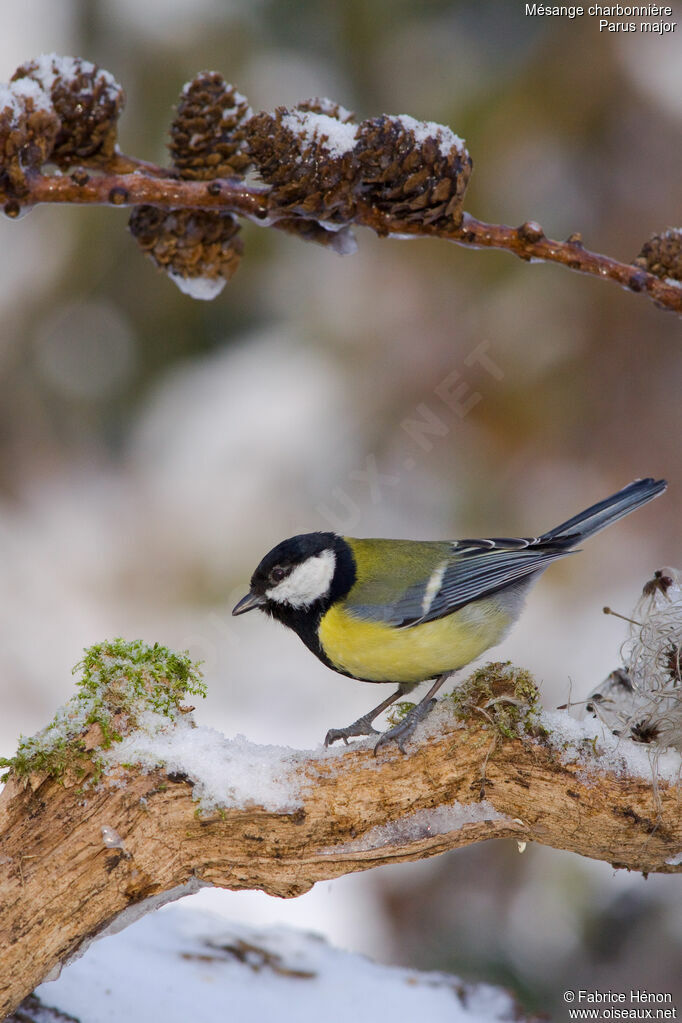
x=401 y=732
x=363 y=726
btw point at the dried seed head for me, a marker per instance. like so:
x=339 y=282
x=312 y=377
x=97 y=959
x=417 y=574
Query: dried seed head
x=28 y=130
x=673 y=662
x=199 y=250
x=87 y=100
x=207 y=133
x=645 y=731
x=307 y=157
x=662 y=254
x=643 y=700
x=416 y=171
x=660 y=583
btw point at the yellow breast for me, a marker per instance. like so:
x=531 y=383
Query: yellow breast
x=376 y=652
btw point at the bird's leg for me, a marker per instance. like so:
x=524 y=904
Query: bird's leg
x=402 y=731
x=363 y=726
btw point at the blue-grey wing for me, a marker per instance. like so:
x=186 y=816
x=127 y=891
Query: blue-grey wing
x=471 y=576
x=470 y=570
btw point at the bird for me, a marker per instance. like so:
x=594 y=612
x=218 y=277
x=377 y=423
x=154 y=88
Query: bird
x=406 y=611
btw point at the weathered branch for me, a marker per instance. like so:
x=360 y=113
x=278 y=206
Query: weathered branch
x=153 y=186
x=62 y=882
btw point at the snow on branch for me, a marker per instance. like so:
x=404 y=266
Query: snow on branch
x=312 y=171
x=122 y=803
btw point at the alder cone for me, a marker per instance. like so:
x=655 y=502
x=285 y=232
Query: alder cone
x=418 y=173
x=27 y=137
x=207 y=133
x=86 y=99
x=294 y=154
x=662 y=254
x=189 y=243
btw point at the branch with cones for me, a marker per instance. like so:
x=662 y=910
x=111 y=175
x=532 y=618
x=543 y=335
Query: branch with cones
x=311 y=171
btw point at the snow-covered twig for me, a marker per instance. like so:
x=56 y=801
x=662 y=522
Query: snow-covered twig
x=528 y=241
x=312 y=171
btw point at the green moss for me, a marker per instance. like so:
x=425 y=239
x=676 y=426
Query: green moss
x=117 y=674
x=398 y=712
x=52 y=757
x=506 y=697
x=118 y=683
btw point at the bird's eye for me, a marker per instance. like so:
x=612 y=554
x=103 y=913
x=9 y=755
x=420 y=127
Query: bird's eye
x=277 y=574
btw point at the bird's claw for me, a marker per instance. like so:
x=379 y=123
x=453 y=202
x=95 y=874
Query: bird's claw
x=404 y=730
x=363 y=726
x=400 y=733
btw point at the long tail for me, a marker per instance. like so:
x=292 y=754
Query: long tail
x=600 y=515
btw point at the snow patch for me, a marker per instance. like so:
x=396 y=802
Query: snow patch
x=226 y=773
x=336 y=137
x=441 y=820
x=423 y=130
x=16 y=94
x=336 y=110
x=203 y=288
x=343 y=242
x=238 y=100
x=51 y=66
x=180 y=965
x=675 y=860
x=589 y=742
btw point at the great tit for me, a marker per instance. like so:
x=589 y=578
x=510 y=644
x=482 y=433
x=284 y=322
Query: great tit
x=404 y=611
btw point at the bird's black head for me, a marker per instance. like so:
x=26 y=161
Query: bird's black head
x=302 y=575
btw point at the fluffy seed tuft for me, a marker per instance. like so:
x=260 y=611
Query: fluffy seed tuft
x=643 y=699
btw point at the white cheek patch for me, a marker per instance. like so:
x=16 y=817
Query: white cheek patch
x=307 y=583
